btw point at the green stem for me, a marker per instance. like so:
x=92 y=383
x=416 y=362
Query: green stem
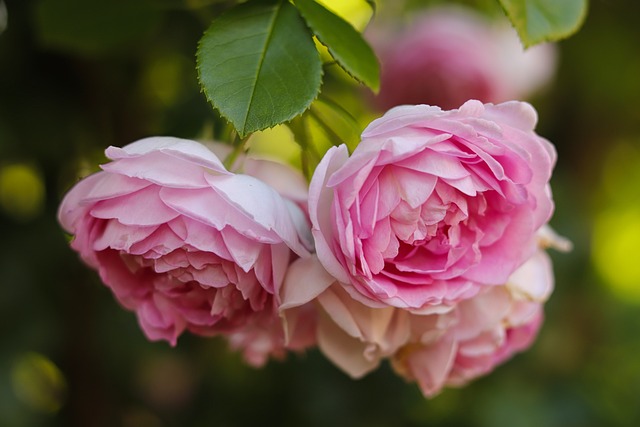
x=303 y=139
x=239 y=147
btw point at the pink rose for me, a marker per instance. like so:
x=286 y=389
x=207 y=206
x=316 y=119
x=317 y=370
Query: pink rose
x=485 y=331
x=450 y=54
x=185 y=243
x=435 y=350
x=355 y=337
x=432 y=205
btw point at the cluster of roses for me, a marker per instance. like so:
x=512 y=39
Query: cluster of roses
x=423 y=247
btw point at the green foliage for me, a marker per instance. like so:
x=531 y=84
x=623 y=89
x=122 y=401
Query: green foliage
x=258 y=65
x=336 y=122
x=95 y=26
x=545 y=20
x=346 y=45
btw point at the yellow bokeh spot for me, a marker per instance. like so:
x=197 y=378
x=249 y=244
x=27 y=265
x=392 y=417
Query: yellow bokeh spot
x=616 y=240
x=616 y=228
x=38 y=383
x=356 y=12
x=21 y=191
x=276 y=142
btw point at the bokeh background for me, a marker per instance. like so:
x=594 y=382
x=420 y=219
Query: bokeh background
x=77 y=76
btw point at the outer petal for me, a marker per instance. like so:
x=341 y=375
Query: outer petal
x=533 y=281
x=183 y=149
x=428 y=365
x=320 y=205
x=262 y=204
x=305 y=280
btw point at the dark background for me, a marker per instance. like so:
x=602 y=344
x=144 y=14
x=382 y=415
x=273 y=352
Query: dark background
x=72 y=84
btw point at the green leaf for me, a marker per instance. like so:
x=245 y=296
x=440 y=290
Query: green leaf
x=258 y=65
x=336 y=122
x=545 y=20
x=95 y=26
x=345 y=43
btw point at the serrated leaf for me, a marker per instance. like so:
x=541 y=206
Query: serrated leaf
x=258 y=65
x=346 y=45
x=545 y=20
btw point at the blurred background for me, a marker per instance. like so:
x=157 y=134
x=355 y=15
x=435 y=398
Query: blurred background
x=77 y=76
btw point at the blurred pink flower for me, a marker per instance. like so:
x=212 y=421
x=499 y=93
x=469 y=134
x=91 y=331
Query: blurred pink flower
x=432 y=205
x=451 y=54
x=185 y=243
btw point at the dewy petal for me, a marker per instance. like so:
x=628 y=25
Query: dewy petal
x=183 y=149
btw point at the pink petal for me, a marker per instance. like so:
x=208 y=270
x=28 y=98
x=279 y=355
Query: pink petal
x=289 y=182
x=482 y=313
x=142 y=208
x=517 y=114
x=399 y=117
x=343 y=350
x=162 y=241
x=160 y=169
x=429 y=365
x=121 y=237
x=244 y=251
x=320 y=202
x=208 y=207
x=261 y=203
x=436 y=164
x=183 y=149
x=96 y=187
x=534 y=279
x=306 y=279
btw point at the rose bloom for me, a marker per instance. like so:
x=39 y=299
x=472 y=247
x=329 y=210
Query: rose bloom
x=186 y=244
x=450 y=54
x=483 y=331
x=435 y=350
x=432 y=206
